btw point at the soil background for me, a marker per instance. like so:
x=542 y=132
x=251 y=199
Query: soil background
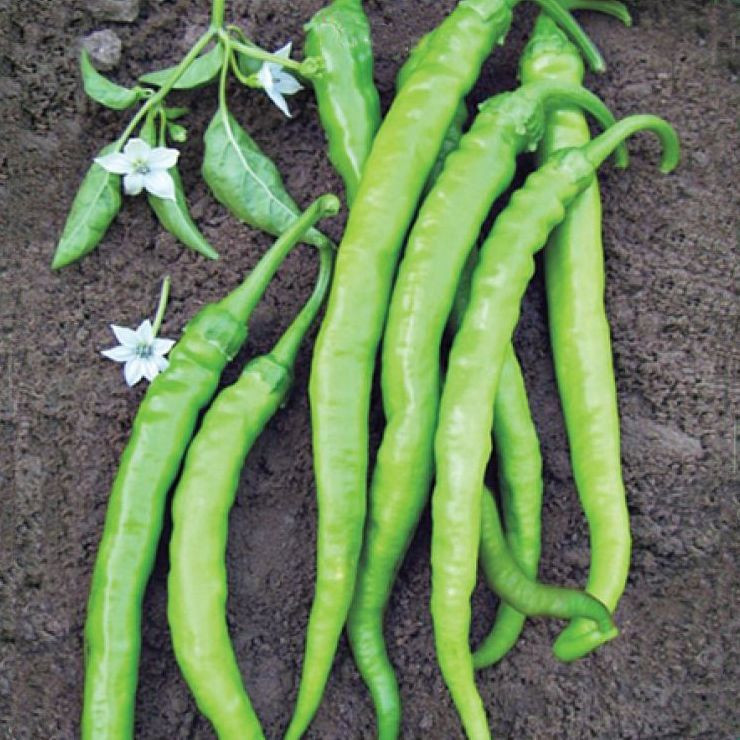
x=65 y=412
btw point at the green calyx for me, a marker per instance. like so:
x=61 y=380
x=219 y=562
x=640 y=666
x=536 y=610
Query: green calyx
x=523 y=111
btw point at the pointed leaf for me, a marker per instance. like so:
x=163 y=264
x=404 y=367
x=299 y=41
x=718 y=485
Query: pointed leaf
x=246 y=181
x=175 y=217
x=173 y=114
x=203 y=70
x=96 y=204
x=248 y=65
x=102 y=90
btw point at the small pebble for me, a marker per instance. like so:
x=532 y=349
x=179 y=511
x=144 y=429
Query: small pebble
x=115 y=10
x=104 y=48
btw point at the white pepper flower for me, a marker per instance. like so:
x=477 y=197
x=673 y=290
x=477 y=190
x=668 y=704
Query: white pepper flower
x=276 y=82
x=143 y=168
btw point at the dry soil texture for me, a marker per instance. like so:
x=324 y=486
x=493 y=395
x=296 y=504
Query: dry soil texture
x=66 y=414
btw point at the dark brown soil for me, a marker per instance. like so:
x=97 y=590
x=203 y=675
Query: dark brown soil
x=66 y=413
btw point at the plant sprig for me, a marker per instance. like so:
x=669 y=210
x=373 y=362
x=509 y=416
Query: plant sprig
x=250 y=187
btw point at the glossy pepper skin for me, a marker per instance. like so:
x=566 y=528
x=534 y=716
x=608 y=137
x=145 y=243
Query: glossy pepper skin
x=449 y=221
x=520 y=482
x=160 y=434
x=462 y=442
x=349 y=105
x=515 y=439
x=395 y=172
x=580 y=339
x=197 y=584
x=455 y=131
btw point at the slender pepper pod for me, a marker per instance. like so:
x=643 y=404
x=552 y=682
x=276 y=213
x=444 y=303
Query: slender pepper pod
x=449 y=221
x=549 y=55
x=149 y=464
x=197 y=585
x=529 y=597
x=520 y=483
x=455 y=131
x=581 y=345
x=462 y=442
x=349 y=104
x=394 y=175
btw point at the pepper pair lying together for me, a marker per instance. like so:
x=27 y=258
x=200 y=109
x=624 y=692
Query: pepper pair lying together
x=448 y=438
x=434 y=429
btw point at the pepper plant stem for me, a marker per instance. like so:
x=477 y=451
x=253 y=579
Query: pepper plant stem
x=160 y=95
x=163 y=298
x=217 y=14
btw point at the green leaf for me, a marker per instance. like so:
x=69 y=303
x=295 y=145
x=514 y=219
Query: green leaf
x=246 y=181
x=247 y=65
x=203 y=70
x=175 y=217
x=173 y=114
x=102 y=90
x=96 y=204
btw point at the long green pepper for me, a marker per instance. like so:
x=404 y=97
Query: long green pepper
x=580 y=339
x=449 y=221
x=396 y=170
x=462 y=442
x=549 y=55
x=349 y=104
x=160 y=434
x=197 y=584
x=519 y=463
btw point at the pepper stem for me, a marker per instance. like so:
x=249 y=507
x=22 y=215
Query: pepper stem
x=164 y=296
x=241 y=302
x=608 y=7
x=568 y=23
x=286 y=349
x=217 y=14
x=597 y=150
x=559 y=94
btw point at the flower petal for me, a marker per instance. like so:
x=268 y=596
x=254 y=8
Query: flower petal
x=127 y=337
x=133 y=184
x=162 y=362
x=287 y=84
x=284 y=51
x=151 y=368
x=133 y=371
x=279 y=100
x=117 y=163
x=145 y=333
x=162 y=346
x=162 y=158
x=161 y=184
x=119 y=354
x=264 y=77
x=137 y=149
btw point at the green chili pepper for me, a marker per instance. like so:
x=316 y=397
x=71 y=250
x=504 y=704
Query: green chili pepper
x=349 y=105
x=579 y=330
x=404 y=151
x=507 y=579
x=462 y=442
x=549 y=55
x=149 y=464
x=445 y=231
x=455 y=131
x=197 y=587
x=520 y=482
